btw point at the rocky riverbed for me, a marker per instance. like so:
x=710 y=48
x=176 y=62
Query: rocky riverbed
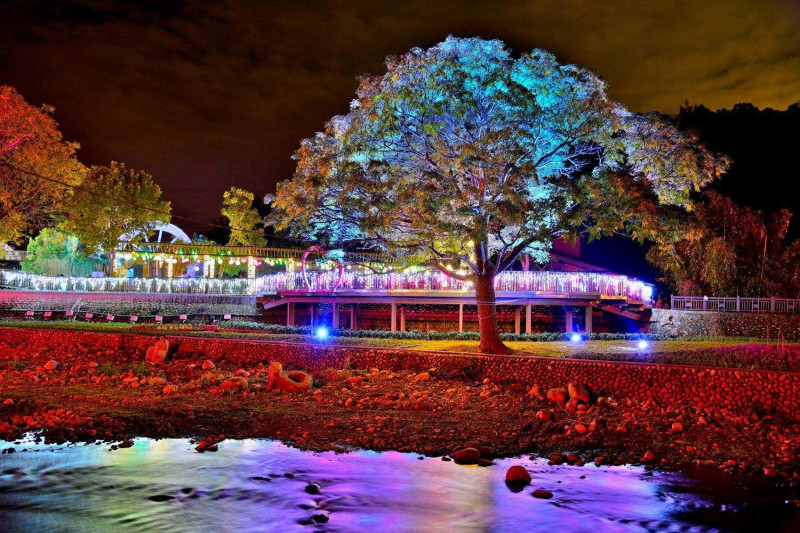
x=87 y=391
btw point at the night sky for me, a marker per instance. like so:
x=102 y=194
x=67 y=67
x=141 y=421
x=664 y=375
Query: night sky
x=206 y=95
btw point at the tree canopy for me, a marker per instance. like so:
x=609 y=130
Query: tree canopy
x=113 y=201
x=464 y=154
x=243 y=218
x=31 y=141
x=53 y=252
x=731 y=250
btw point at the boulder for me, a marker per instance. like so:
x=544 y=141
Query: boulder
x=558 y=395
x=579 y=392
x=158 y=353
x=234 y=383
x=517 y=476
x=291 y=381
x=467 y=456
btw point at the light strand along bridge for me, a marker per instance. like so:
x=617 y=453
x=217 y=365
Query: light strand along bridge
x=357 y=297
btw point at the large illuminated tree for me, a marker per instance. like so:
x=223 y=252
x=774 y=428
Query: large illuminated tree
x=464 y=154
x=30 y=142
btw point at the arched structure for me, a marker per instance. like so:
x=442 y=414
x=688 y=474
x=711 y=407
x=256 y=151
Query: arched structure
x=167 y=233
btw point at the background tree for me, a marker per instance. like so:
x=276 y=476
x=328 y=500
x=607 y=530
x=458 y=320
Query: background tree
x=53 y=252
x=243 y=218
x=30 y=141
x=464 y=154
x=113 y=201
x=731 y=251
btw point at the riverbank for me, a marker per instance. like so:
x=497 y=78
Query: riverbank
x=86 y=386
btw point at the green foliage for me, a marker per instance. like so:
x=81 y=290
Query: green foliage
x=462 y=143
x=53 y=252
x=31 y=141
x=728 y=250
x=243 y=218
x=114 y=201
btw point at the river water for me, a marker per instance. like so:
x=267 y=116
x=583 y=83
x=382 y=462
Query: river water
x=259 y=485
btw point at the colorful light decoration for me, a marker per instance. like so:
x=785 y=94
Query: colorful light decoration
x=575 y=337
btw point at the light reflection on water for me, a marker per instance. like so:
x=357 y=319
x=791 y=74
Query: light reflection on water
x=166 y=485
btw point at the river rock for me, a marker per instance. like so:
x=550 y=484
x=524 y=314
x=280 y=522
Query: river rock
x=579 y=392
x=542 y=494
x=236 y=382
x=558 y=395
x=517 y=476
x=157 y=354
x=208 y=364
x=467 y=456
x=52 y=364
x=291 y=381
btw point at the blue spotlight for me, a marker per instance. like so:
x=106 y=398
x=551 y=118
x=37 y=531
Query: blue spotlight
x=321 y=333
x=642 y=344
x=575 y=337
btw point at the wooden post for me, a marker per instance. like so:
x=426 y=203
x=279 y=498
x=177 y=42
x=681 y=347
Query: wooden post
x=517 y=320
x=528 y=319
x=568 y=316
x=394 y=317
x=588 y=319
x=402 y=318
x=290 y=313
x=460 y=318
x=335 y=317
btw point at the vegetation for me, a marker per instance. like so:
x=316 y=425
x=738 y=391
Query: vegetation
x=466 y=157
x=243 y=218
x=729 y=250
x=53 y=252
x=30 y=142
x=114 y=201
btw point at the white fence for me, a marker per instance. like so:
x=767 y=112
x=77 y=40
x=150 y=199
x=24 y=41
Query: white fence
x=735 y=304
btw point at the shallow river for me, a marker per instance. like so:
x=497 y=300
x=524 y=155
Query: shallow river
x=257 y=485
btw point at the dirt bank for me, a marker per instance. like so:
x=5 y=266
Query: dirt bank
x=86 y=387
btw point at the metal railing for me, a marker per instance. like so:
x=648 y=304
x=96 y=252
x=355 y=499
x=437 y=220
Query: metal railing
x=735 y=304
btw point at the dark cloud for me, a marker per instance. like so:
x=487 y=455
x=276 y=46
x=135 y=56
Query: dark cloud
x=205 y=95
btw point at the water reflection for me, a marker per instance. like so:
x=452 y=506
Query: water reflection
x=255 y=485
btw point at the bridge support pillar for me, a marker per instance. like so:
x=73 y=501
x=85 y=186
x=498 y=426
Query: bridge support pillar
x=394 y=317
x=335 y=317
x=290 y=313
x=517 y=320
x=311 y=312
x=353 y=316
x=587 y=319
x=402 y=318
x=460 y=318
x=528 y=319
x=568 y=316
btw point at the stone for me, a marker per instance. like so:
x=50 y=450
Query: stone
x=234 y=383
x=52 y=364
x=677 y=427
x=578 y=391
x=467 y=456
x=425 y=376
x=581 y=429
x=542 y=494
x=517 y=476
x=169 y=389
x=558 y=395
x=208 y=364
x=292 y=381
x=157 y=354
x=543 y=415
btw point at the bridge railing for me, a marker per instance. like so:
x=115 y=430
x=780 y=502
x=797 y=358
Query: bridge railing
x=540 y=282
x=735 y=304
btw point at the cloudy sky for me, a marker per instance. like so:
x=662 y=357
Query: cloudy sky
x=205 y=95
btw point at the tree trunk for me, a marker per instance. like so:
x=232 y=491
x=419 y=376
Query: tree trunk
x=487 y=316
